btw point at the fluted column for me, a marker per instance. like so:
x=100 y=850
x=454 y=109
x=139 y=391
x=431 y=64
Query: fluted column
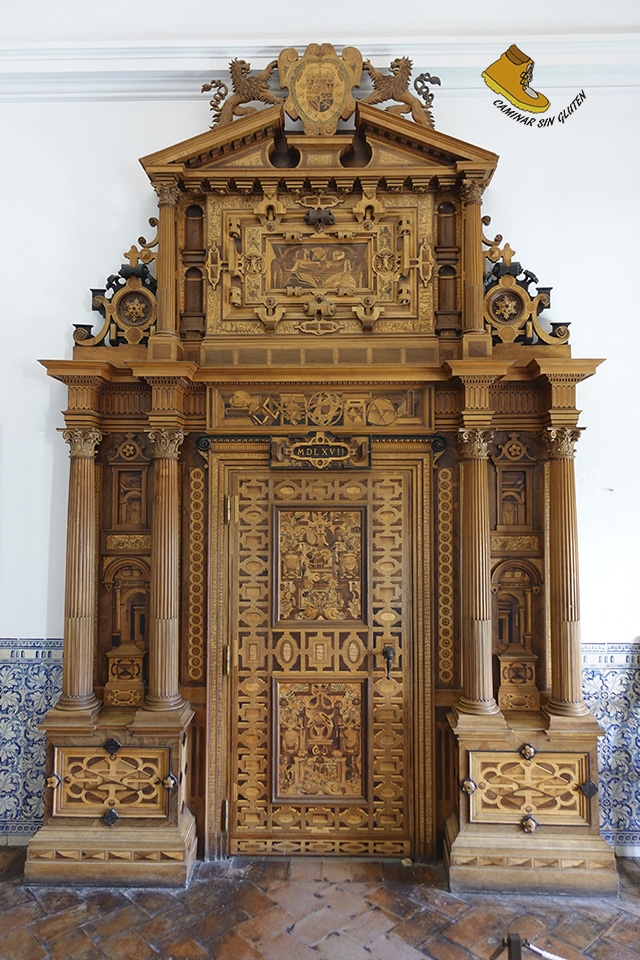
x=566 y=655
x=167 y=194
x=473 y=257
x=163 y=692
x=477 y=680
x=80 y=583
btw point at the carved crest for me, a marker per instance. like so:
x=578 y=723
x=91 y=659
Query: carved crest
x=320 y=84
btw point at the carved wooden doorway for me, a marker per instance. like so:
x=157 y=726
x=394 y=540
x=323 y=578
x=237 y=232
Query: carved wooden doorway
x=329 y=741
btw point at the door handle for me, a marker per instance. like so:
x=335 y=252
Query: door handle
x=388 y=652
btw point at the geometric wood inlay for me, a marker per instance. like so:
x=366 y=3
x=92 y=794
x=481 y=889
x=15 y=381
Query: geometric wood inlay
x=546 y=787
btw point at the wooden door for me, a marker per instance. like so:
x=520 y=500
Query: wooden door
x=322 y=741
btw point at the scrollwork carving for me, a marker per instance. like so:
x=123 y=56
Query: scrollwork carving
x=83 y=441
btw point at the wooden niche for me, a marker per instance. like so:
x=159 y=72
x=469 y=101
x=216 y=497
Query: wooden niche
x=322 y=590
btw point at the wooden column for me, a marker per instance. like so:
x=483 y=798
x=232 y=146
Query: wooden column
x=473 y=257
x=163 y=693
x=566 y=654
x=477 y=680
x=80 y=584
x=165 y=343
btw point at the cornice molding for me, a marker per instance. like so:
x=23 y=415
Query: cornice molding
x=126 y=70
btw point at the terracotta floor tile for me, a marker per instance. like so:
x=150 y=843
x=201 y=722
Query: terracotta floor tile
x=265 y=926
x=439 y=948
x=298 y=899
x=337 y=871
x=337 y=946
x=479 y=931
x=153 y=901
x=394 y=871
x=430 y=873
x=266 y=872
x=20 y=916
x=318 y=925
x=529 y=927
x=160 y=928
x=344 y=900
x=392 y=903
x=564 y=949
x=233 y=947
x=12 y=894
x=441 y=900
x=389 y=947
x=118 y=922
x=217 y=921
x=306 y=868
x=367 y=870
x=421 y=926
x=251 y=899
x=52 y=927
x=368 y=926
x=184 y=948
x=106 y=901
x=608 y=950
x=127 y=946
x=626 y=930
x=285 y=947
x=56 y=899
x=74 y=945
x=580 y=930
x=21 y=945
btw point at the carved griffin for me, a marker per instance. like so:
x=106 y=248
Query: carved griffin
x=395 y=86
x=245 y=89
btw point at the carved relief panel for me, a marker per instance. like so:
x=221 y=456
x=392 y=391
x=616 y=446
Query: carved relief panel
x=319 y=263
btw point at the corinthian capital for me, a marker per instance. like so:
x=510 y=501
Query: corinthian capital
x=167 y=193
x=474 y=443
x=83 y=441
x=167 y=443
x=561 y=442
x=471 y=191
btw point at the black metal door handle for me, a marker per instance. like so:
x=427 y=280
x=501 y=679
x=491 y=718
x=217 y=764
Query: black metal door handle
x=388 y=652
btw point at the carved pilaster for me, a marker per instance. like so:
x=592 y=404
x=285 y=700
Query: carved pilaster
x=564 y=597
x=477 y=683
x=80 y=582
x=473 y=257
x=163 y=691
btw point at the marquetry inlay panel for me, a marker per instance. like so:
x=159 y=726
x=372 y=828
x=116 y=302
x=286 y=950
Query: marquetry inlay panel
x=91 y=781
x=319 y=564
x=547 y=787
x=195 y=640
x=445 y=576
x=320 y=746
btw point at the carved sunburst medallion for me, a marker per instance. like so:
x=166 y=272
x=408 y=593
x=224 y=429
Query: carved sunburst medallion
x=320 y=84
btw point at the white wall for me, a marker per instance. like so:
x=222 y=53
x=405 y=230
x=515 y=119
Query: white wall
x=74 y=198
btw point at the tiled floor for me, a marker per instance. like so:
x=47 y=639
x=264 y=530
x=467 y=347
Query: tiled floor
x=306 y=910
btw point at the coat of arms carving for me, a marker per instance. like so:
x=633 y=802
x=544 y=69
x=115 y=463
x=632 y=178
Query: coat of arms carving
x=320 y=84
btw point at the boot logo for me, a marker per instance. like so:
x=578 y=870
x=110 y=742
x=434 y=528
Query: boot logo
x=511 y=76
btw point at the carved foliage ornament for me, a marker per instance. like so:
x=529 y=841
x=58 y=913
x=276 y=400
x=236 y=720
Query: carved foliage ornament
x=167 y=443
x=561 y=442
x=474 y=444
x=83 y=442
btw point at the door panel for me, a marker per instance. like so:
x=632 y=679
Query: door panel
x=321 y=580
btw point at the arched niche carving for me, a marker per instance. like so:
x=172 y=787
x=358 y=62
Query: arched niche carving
x=516 y=587
x=127 y=580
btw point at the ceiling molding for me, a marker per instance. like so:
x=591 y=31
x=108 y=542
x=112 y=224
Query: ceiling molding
x=137 y=71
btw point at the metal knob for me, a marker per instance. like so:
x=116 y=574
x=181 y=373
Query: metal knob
x=388 y=652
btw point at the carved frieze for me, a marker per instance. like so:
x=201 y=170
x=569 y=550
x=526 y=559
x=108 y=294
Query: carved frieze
x=244 y=409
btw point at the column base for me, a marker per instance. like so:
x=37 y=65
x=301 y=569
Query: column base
x=72 y=721
x=138 y=853
x=162 y=720
x=505 y=860
x=581 y=725
x=487 y=726
x=165 y=346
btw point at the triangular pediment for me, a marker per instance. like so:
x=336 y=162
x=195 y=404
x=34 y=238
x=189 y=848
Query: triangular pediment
x=244 y=148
